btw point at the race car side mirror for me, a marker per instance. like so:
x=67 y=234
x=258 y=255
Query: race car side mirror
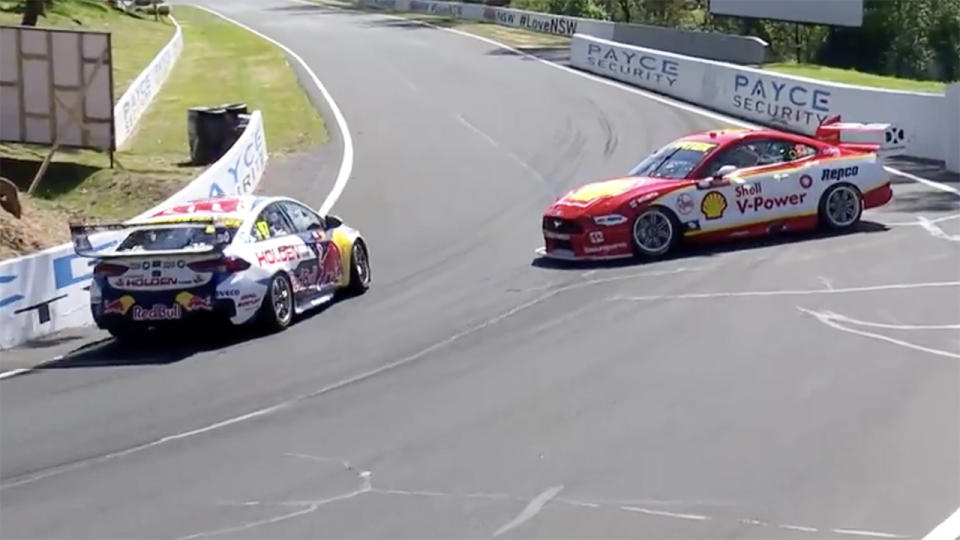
x=332 y=222
x=725 y=170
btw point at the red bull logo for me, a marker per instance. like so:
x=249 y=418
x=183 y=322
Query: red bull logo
x=158 y=312
x=192 y=302
x=119 y=306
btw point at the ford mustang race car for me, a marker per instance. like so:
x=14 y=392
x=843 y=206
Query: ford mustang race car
x=724 y=184
x=246 y=260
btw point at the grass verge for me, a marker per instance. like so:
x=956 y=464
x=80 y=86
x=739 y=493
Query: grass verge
x=220 y=63
x=850 y=76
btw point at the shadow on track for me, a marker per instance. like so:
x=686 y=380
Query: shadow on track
x=558 y=55
x=170 y=345
x=709 y=250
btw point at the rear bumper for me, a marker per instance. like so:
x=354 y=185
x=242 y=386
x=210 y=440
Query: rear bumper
x=160 y=308
x=878 y=196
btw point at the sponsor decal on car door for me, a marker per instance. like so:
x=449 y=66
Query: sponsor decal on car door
x=758 y=197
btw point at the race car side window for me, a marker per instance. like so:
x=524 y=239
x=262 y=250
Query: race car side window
x=303 y=218
x=757 y=153
x=271 y=223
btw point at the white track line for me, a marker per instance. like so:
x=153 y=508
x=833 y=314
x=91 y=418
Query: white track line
x=14 y=372
x=948 y=530
x=346 y=163
x=632 y=89
x=531 y=510
x=675 y=515
x=928 y=182
x=844 y=318
x=786 y=292
x=831 y=321
x=935 y=230
x=874 y=534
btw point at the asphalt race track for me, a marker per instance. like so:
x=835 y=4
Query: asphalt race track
x=790 y=389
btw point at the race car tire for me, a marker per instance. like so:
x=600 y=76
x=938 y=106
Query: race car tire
x=655 y=232
x=841 y=207
x=359 y=269
x=276 y=311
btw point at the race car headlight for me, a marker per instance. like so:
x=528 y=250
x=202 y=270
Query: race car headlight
x=610 y=219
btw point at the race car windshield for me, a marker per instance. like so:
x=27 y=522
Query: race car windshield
x=670 y=162
x=163 y=239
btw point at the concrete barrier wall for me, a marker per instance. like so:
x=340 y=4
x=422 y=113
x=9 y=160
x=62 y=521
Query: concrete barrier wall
x=727 y=47
x=919 y=125
x=134 y=102
x=710 y=45
x=47 y=291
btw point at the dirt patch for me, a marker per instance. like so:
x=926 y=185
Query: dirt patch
x=41 y=226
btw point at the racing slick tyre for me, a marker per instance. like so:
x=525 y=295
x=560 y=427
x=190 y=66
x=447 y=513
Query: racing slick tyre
x=276 y=312
x=841 y=207
x=655 y=232
x=359 y=269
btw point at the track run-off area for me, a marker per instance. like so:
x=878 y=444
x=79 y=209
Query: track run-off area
x=798 y=388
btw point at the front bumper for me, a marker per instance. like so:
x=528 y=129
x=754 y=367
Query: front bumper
x=571 y=240
x=567 y=255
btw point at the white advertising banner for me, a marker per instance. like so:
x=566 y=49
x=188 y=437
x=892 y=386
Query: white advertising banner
x=796 y=104
x=546 y=23
x=135 y=100
x=46 y=292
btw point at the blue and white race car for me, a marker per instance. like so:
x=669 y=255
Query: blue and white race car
x=246 y=260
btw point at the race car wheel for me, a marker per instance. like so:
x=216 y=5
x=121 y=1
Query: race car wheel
x=841 y=207
x=655 y=232
x=359 y=269
x=277 y=309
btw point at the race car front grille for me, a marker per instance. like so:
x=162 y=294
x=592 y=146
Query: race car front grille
x=562 y=226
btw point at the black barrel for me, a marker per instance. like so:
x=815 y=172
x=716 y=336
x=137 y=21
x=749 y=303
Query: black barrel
x=208 y=129
x=237 y=117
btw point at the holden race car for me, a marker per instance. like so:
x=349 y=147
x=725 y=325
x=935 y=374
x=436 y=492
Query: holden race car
x=248 y=260
x=724 y=184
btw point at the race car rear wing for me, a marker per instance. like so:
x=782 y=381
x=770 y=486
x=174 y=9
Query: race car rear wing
x=80 y=234
x=870 y=138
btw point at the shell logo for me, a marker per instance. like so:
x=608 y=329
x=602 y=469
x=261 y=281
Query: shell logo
x=713 y=205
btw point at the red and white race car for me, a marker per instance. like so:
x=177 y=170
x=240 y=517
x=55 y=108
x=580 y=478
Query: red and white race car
x=724 y=184
x=245 y=260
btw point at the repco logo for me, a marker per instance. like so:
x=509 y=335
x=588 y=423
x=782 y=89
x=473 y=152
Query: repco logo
x=837 y=174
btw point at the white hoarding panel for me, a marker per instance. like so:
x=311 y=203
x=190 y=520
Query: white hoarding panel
x=917 y=120
x=136 y=99
x=56 y=87
x=832 y=12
